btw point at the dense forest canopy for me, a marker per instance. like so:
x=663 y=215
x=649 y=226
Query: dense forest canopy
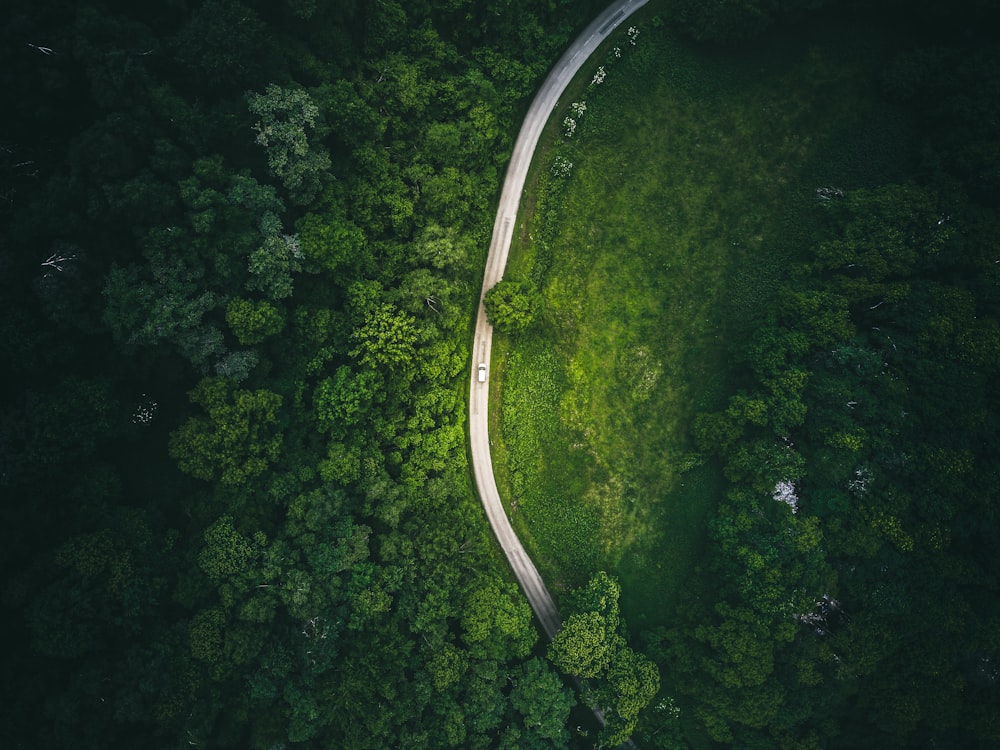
x=242 y=243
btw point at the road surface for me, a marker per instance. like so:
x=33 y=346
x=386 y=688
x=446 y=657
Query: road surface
x=503 y=229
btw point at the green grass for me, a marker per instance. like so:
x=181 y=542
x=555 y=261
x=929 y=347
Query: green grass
x=692 y=187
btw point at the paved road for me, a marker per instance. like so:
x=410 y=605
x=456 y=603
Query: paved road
x=479 y=393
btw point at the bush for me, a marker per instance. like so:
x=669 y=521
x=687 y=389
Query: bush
x=511 y=305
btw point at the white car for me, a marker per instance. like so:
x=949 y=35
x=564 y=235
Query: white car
x=482 y=372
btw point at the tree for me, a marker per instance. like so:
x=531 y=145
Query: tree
x=591 y=644
x=227 y=553
x=543 y=700
x=725 y=20
x=447 y=666
x=235 y=440
x=511 y=305
x=583 y=645
x=442 y=248
x=386 y=342
x=332 y=243
x=222 y=41
x=286 y=118
x=496 y=619
x=168 y=308
x=253 y=321
x=633 y=681
x=272 y=264
x=343 y=400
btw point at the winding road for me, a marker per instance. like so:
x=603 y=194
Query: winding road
x=503 y=230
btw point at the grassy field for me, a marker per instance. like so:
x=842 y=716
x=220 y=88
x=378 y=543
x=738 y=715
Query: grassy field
x=692 y=182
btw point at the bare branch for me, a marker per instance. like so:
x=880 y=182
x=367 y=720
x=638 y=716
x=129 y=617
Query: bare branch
x=44 y=50
x=56 y=260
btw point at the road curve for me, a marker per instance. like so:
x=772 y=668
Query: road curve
x=503 y=230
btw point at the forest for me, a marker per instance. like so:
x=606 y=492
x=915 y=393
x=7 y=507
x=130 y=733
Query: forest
x=242 y=245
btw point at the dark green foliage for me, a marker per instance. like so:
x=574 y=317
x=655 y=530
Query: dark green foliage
x=726 y=20
x=877 y=467
x=296 y=556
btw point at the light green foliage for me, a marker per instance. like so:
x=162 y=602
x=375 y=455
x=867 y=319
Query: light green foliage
x=591 y=644
x=442 y=248
x=447 y=666
x=331 y=242
x=342 y=464
x=343 y=400
x=287 y=116
x=583 y=645
x=386 y=341
x=427 y=294
x=252 y=321
x=601 y=594
x=227 y=553
x=496 y=618
x=633 y=681
x=511 y=305
x=236 y=438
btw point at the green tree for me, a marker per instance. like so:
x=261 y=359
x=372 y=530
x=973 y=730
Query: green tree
x=633 y=681
x=287 y=116
x=583 y=645
x=387 y=341
x=253 y=321
x=543 y=701
x=511 y=305
x=331 y=242
x=272 y=264
x=343 y=400
x=222 y=42
x=228 y=553
x=497 y=619
x=237 y=437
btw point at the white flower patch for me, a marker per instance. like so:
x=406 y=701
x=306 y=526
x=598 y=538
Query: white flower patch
x=599 y=76
x=293 y=245
x=578 y=108
x=633 y=34
x=618 y=53
x=145 y=411
x=858 y=484
x=669 y=707
x=562 y=167
x=569 y=127
x=784 y=492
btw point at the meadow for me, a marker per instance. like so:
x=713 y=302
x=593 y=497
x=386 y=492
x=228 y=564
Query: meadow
x=671 y=191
